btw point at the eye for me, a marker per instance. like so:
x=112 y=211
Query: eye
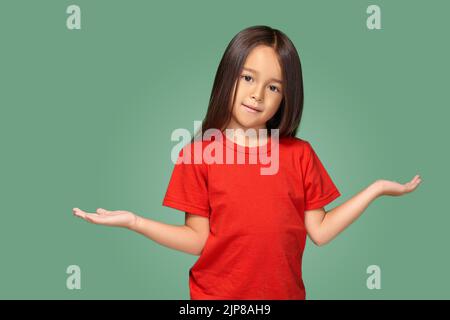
x=277 y=90
x=250 y=77
x=245 y=77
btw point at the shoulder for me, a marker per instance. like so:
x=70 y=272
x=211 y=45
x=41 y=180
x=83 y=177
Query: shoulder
x=297 y=144
x=195 y=146
x=192 y=154
x=299 y=148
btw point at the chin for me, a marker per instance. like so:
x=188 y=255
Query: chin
x=246 y=124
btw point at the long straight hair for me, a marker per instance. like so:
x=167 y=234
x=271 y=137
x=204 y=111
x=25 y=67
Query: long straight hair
x=288 y=116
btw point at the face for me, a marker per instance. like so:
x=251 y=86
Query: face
x=259 y=87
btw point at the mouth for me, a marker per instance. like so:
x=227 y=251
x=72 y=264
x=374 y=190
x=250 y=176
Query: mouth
x=251 y=109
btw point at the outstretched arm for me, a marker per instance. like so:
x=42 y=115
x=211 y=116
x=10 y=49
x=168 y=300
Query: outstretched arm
x=322 y=227
x=189 y=238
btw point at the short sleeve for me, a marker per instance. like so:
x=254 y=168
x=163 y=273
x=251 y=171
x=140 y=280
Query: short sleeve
x=317 y=184
x=188 y=188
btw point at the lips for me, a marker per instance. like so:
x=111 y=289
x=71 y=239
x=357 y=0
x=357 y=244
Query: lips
x=251 y=107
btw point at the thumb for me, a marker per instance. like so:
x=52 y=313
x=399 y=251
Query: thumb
x=102 y=211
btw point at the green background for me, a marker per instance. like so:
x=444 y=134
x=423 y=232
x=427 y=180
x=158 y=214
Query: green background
x=86 y=119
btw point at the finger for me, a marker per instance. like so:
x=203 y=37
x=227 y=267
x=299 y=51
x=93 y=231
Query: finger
x=416 y=180
x=90 y=217
x=413 y=182
x=100 y=219
x=78 y=212
x=411 y=186
x=96 y=218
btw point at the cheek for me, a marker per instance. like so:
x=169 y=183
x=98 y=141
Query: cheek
x=273 y=106
x=240 y=92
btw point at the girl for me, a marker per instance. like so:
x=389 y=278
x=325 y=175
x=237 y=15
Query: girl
x=250 y=229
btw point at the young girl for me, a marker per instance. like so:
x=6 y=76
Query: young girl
x=250 y=228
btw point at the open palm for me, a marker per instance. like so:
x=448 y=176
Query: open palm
x=393 y=188
x=118 y=218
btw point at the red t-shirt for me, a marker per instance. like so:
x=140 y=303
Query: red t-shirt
x=257 y=231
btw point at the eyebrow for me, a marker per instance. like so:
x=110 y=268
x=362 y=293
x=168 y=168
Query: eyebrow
x=254 y=71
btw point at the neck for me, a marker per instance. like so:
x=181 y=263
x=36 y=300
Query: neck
x=251 y=138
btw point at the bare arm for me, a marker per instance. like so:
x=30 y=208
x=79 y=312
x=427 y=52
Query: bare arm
x=189 y=238
x=323 y=227
x=179 y=237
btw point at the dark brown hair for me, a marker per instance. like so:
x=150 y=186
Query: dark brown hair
x=288 y=116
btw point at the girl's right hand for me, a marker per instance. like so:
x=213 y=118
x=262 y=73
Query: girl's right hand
x=118 y=218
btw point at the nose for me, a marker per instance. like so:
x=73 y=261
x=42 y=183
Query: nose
x=257 y=95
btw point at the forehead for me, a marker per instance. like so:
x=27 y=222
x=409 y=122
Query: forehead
x=264 y=60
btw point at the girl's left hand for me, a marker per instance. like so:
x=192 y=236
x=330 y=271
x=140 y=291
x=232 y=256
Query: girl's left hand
x=392 y=188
